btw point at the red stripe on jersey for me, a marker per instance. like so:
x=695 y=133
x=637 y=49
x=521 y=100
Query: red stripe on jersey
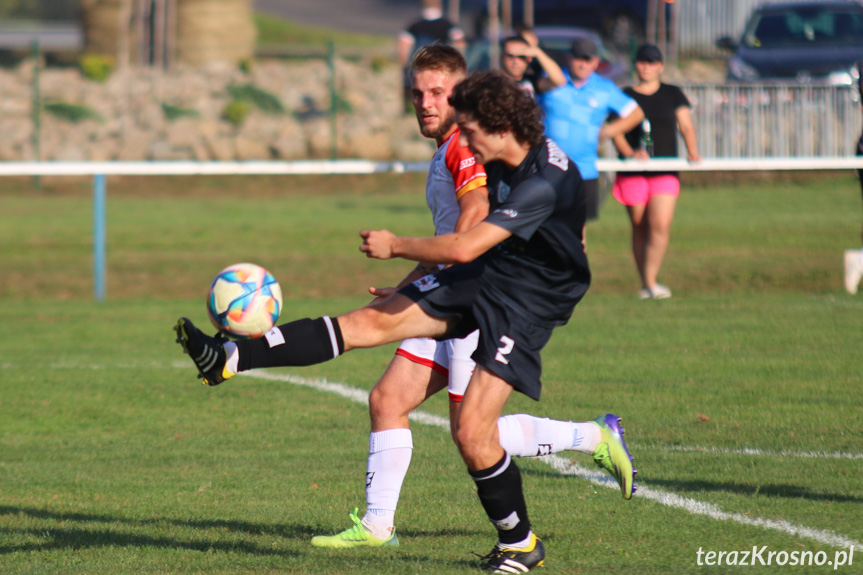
x=423 y=361
x=467 y=173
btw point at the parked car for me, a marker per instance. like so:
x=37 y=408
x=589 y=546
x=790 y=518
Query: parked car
x=557 y=41
x=617 y=20
x=815 y=41
x=53 y=25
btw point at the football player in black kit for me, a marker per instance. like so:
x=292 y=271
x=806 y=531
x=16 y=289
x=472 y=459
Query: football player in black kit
x=519 y=274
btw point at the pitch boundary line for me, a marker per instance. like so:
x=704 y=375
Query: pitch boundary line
x=754 y=451
x=567 y=467
x=750 y=451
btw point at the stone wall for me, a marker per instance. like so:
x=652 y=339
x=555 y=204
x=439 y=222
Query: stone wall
x=134 y=126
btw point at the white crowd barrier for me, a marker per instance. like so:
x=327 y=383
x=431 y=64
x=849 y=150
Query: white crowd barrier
x=336 y=167
x=99 y=171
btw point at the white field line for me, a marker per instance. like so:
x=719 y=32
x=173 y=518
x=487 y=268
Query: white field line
x=567 y=467
x=420 y=417
x=751 y=451
x=561 y=464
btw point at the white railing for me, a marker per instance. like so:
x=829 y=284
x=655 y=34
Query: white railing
x=755 y=121
x=99 y=171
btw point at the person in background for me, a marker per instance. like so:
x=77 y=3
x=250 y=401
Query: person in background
x=650 y=197
x=576 y=115
x=522 y=60
x=854 y=258
x=431 y=28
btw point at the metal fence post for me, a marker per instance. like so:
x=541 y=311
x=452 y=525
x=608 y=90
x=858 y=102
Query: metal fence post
x=37 y=112
x=334 y=102
x=99 y=237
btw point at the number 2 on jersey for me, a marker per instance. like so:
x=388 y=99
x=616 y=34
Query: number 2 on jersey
x=504 y=350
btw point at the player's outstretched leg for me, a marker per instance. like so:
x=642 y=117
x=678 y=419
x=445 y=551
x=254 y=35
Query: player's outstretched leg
x=207 y=352
x=515 y=560
x=355 y=536
x=612 y=455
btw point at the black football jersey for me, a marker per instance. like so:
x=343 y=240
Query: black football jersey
x=541 y=271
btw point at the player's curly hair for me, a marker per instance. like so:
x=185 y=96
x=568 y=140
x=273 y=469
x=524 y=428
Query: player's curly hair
x=499 y=105
x=439 y=57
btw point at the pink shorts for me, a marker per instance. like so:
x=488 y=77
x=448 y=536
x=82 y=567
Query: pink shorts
x=636 y=189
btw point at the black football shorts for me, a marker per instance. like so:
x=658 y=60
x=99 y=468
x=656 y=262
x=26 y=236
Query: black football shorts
x=509 y=344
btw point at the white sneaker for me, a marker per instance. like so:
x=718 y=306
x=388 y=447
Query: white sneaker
x=659 y=291
x=853 y=270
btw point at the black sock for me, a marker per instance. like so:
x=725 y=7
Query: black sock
x=499 y=490
x=301 y=342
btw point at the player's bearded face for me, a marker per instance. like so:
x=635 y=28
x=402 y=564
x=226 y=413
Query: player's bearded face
x=430 y=91
x=439 y=129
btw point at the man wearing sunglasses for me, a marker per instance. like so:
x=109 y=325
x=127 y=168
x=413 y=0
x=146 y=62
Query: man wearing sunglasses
x=517 y=55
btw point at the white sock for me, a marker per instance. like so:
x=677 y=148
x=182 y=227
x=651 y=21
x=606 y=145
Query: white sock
x=233 y=356
x=520 y=545
x=389 y=458
x=523 y=435
x=585 y=437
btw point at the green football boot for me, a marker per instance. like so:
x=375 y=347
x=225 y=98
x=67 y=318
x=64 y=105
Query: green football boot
x=612 y=455
x=355 y=536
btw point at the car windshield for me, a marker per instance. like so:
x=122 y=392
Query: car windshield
x=804 y=27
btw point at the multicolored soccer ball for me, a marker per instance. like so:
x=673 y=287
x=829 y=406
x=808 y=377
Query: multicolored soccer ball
x=244 y=301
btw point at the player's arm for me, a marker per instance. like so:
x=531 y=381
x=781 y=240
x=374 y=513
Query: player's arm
x=455 y=248
x=422 y=269
x=473 y=208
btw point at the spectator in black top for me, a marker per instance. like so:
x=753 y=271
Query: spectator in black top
x=650 y=197
x=431 y=28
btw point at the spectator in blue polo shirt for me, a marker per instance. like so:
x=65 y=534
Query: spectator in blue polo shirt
x=576 y=114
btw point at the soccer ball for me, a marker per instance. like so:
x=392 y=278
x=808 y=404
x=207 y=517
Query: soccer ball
x=244 y=301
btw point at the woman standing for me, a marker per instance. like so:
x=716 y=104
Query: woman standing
x=650 y=197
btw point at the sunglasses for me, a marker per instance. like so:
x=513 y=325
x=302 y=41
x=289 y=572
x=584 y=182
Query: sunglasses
x=514 y=57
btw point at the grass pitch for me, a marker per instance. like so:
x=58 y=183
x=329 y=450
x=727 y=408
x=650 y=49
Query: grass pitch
x=741 y=394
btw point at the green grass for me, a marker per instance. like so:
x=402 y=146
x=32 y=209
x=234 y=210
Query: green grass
x=113 y=460
x=274 y=31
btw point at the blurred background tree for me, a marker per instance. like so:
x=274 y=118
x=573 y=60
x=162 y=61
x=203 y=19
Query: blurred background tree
x=164 y=32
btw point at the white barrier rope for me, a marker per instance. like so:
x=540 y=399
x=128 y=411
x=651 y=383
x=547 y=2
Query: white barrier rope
x=99 y=170
x=332 y=167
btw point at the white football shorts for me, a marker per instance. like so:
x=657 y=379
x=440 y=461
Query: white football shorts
x=450 y=358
